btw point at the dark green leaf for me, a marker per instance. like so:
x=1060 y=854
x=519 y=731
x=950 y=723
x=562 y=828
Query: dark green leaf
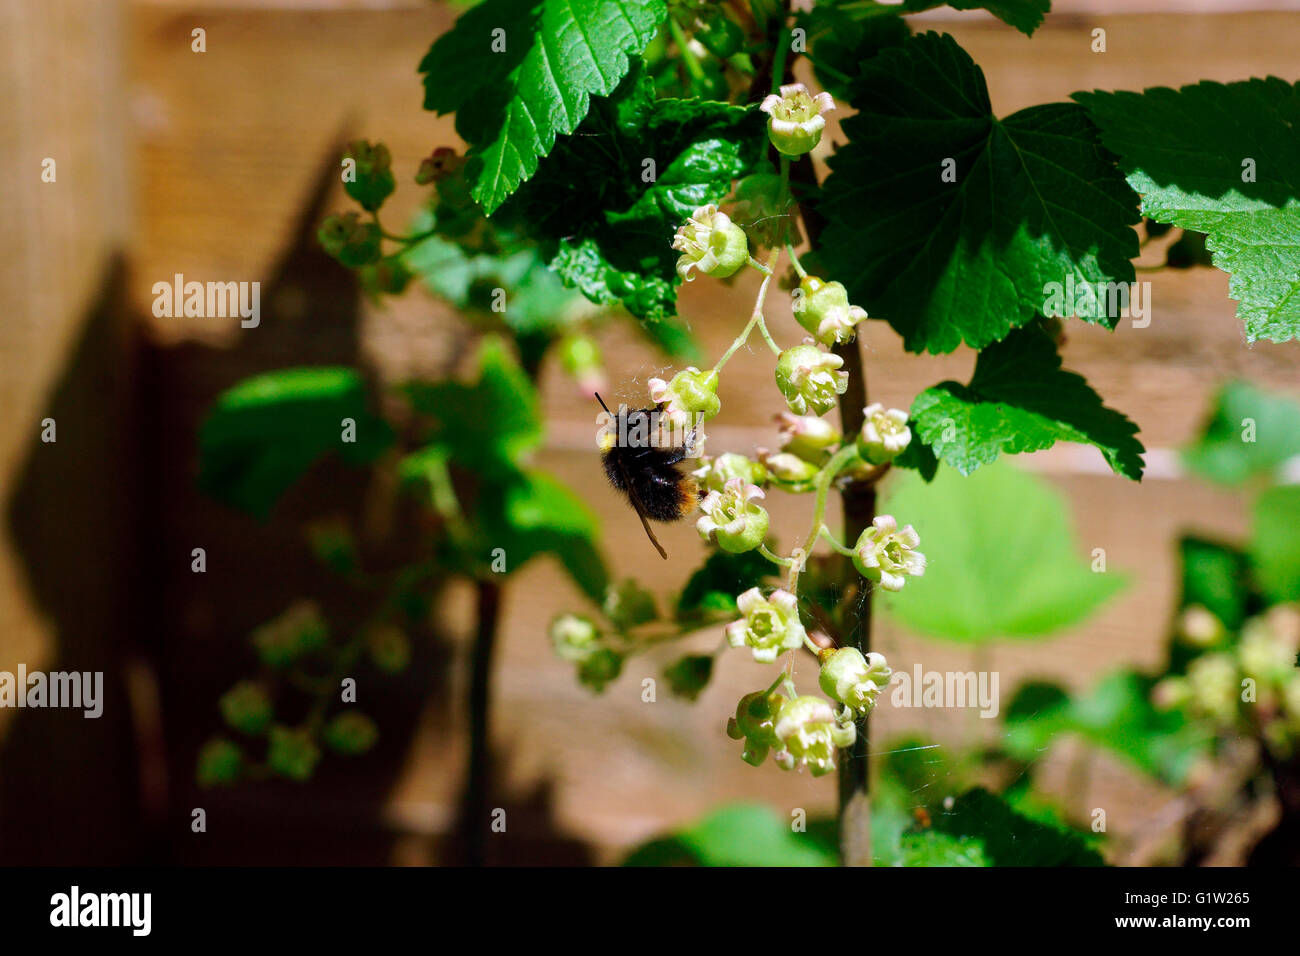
x=534 y=514
x=1116 y=715
x=1025 y=15
x=485 y=426
x=1036 y=201
x=839 y=43
x=1006 y=838
x=714 y=587
x=1021 y=400
x=932 y=848
x=1189 y=152
x=264 y=433
x=1215 y=577
x=511 y=104
x=609 y=197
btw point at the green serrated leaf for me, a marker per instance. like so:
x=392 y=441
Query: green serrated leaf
x=1249 y=434
x=1002 y=559
x=840 y=42
x=1025 y=15
x=609 y=197
x=1021 y=400
x=519 y=73
x=263 y=434
x=1189 y=152
x=1036 y=200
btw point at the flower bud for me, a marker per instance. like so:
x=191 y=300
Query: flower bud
x=710 y=242
x=823 y=309
x=688 y=676
x=1199 y=626
x=691 y=393
x=789 y=472
x=884 y=434
x=299 y=631
x=714 y=473
x=809 y=735
x=732 y=519
x=374 y=180
x=246 y=707
x=809 y=437
x=440 y=164
x=574 y=638
x=1263 y=655
x=852 y=679
x=601 y=667
x=795 y=120
x=810 y=379
x=580 y=359
x=885 y=554
x=351 y=733
x=1170 y=693
x=220 y=761
x=292 y=752
x=629 y=605
x=770 y=624
x=349 y=240
x=755 y=723
x=1214 y=686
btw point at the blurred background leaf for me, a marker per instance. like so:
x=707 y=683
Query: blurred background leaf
x=264 y=433
x=1221 y=454
x=1002 y=560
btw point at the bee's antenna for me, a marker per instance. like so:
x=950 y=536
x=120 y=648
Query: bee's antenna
x=602 y=403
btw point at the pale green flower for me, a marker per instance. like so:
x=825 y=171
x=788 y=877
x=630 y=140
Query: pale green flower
x=710 y=243
x=809 y=735
x=770 y=624
x=884 y=434
x=732 y=519
x=885 y=554
x=852 y=679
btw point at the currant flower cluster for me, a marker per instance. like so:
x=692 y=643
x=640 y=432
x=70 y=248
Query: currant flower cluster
x=1241 y=684
x=799 y=730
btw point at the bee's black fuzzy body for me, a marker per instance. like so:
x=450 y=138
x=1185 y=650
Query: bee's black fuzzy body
x=664 y=492
x=645 y=470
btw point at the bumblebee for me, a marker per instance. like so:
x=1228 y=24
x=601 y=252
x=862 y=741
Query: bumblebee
x=642 y=465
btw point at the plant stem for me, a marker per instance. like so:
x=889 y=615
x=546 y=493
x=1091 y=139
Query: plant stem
x=688 y=55
x=478 y=784
x=756 y=316
x=859 y=502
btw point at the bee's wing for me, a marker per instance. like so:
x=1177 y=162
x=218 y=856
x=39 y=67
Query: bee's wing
x=638 y=507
